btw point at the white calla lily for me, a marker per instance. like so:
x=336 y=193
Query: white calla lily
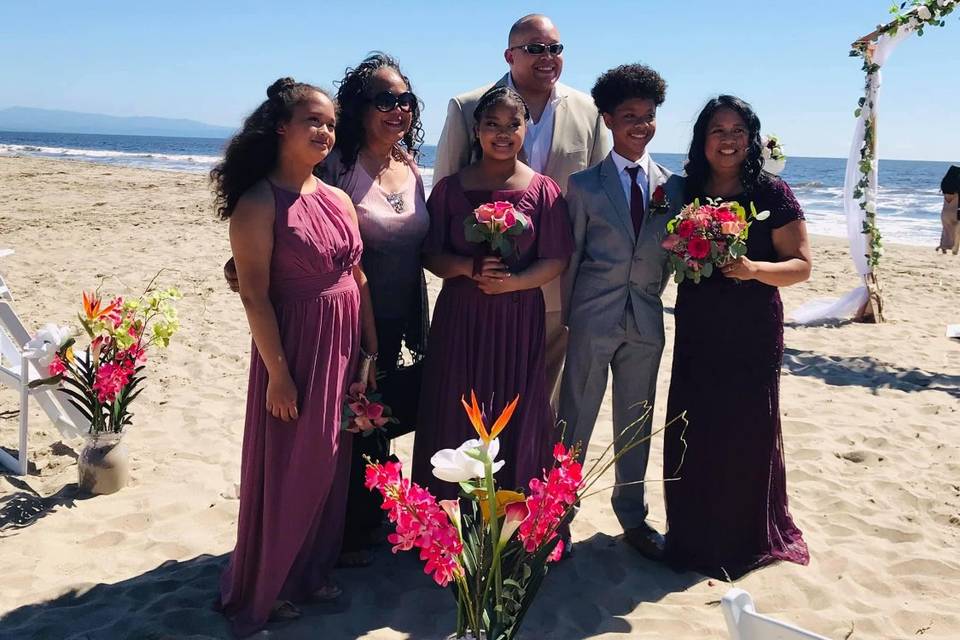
x=458 y=465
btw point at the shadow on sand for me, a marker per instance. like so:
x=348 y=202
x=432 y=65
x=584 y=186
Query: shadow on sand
x=593 y=592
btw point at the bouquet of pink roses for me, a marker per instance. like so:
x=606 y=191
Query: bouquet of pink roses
x=495 y=223
x=704 y=236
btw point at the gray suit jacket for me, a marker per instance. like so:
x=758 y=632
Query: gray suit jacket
x=580 y=140
x=609 y=264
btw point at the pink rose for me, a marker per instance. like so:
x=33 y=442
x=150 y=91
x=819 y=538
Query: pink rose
x=485 y=213
x=731 y=228
x=509 y=220
x=670 y=242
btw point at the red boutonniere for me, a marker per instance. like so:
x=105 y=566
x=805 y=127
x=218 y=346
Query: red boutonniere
x=658 y=201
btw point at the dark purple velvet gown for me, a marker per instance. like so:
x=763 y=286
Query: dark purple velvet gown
x=490 y=344
x=727 y=512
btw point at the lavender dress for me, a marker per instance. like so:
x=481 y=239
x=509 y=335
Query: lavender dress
x=293 y=484
x=727 y=508
x=491 y=344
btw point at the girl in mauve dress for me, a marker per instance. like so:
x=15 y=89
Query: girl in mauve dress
x=297 y=250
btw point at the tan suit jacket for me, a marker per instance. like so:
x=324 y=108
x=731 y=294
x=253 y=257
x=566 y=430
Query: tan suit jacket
x=580 y=140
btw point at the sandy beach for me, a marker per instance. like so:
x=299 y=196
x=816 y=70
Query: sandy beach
x=871 y=427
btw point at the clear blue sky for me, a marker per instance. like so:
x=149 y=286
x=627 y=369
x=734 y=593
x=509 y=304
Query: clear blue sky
x=211 y=61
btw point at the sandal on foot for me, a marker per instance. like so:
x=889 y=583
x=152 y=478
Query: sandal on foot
x=327 y=593
x=284 y=612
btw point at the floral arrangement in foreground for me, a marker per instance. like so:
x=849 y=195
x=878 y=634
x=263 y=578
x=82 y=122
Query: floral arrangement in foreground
x=492 y=546
x=105 y=378
x=704 y=236
x=496 y=224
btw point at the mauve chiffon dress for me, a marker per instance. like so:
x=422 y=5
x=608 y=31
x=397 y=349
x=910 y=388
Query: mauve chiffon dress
x=293 y=485
x=727 y=506
x=493 y=345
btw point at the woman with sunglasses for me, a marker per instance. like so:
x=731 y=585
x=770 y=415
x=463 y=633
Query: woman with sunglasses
x=378 y=135
x=488 y=332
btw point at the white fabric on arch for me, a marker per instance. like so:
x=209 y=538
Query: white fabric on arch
x=848 y=304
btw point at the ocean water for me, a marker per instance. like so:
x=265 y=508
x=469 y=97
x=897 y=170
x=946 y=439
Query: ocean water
x=909 y=198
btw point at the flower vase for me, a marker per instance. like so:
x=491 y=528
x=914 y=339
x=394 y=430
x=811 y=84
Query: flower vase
x=103 y=464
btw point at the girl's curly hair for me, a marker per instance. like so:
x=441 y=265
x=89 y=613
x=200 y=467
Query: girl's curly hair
x=252 y=153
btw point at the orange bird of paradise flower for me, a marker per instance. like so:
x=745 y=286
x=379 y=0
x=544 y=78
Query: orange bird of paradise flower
x=477 y=419
x=91 y=307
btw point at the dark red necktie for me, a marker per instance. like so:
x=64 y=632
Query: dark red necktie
x=636 y=200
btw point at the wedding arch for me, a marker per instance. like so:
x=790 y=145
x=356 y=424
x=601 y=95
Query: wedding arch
x=865 y=302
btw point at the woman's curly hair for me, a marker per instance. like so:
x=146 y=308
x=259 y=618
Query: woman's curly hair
x=697 y=168
x=353 y=99
x=252 y=153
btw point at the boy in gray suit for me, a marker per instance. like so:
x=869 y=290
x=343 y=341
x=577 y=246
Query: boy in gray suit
x=619 y=209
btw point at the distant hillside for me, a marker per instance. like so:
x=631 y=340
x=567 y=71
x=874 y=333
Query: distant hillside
x=50 y=120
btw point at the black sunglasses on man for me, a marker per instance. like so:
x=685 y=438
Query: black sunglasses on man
x=538 y=48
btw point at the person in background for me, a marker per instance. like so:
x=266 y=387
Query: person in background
x=564 y=134
x=950 y=215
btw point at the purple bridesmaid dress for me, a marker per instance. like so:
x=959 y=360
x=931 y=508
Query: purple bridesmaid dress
x=294 y=474
x=491 y=344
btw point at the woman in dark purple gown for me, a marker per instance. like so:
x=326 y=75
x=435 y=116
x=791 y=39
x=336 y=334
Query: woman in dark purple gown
x=487 y=333
x=727 y=508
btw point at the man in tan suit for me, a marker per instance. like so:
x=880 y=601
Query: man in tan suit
x=565 y=134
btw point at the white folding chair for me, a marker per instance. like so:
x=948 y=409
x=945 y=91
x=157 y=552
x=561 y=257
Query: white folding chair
x=744 y=623
x=4 y=290
x=16 y=372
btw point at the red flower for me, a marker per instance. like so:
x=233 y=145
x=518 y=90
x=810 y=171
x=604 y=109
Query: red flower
x=659 y=196
x=686 y=228
x=698 y=248
x=56 y=366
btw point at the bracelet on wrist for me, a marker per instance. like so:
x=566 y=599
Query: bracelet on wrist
x=367 y=356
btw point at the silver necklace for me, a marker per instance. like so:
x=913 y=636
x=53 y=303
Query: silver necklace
x=396 y=201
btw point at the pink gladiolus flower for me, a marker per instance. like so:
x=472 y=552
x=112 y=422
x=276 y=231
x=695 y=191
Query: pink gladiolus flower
x=550 y=500
x=56 y=366
x=110 y=380
x=420 y=522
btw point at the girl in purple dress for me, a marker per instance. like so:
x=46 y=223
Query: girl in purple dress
x=297 y=250
x=487 y=333
x=727 y=500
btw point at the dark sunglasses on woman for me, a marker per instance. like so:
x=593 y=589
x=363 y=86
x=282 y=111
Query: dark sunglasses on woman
x=386 y=101
x=537 y=48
